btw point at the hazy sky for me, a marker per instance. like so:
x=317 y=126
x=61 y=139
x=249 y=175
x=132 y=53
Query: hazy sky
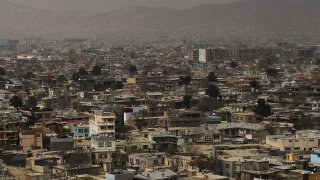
x=106 y=5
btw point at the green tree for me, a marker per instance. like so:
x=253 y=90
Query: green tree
x=234 y=64
x=133 y=69
x=119 y=85
x=213 y=91
x=303 y=122
x=82 y=72
x=209 y=104
x=29 y=75
x=16 y=102
x=62 y=102
x=32 y=119
x=76 y=76
x=32 y=102
x=185 y=80
x=262 y=109
x=207 y=162
x=171 y=148
x=61 y=79
x=255 y=84
x=272 y=72
x=212 y=77
x=186 y=101
x=2 y=71
x=96 y=70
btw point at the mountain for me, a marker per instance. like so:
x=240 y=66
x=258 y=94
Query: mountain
x=243 y=19
x=108 y=5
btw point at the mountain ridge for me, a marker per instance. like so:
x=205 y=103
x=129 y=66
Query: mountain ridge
x=243 y=19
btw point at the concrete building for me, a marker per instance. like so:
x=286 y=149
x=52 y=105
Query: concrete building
x=31 y=139
x=301 y=141
x=102 y=132
x=205 y=55
x=126 y=175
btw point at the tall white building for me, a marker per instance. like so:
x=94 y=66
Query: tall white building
x=102 y=131
x=205 y=55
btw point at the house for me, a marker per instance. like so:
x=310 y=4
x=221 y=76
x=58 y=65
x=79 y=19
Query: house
x=165 y=174
x=43 y=163
x=304 y=140
x=31 y=139
x=70 y=170
x=81 y=131
x=147 y=161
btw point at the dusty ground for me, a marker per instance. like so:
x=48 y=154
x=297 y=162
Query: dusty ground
x=18 y=173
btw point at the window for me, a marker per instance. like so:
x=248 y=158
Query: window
x=80 y=130
x=297 y=148
x=155 y=162
x=311 y=140
x=109 y=144
x=100 y=144
x=287 y=149
x=38 y=135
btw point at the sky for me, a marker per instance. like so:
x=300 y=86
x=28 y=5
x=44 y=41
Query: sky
x=107 y=5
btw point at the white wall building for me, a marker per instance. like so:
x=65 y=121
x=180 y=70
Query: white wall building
x=202 y=55
x=102 y=131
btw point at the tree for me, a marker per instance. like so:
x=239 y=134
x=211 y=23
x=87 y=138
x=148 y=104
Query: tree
x=2 y=71
x=303 y=122
x=212 y=77
x=234 y=64
x=207 y=162
x=133 y=69
x=16 y=102
x=96 y=70
x=168 y=148
x=32 y=102
x=29 y=75
x=32 y=119
x=184 y=80
x=272 y=72
x=262 y=109
x=187 y=99
x=255 y=84
x=75 y=76
x=82 y=72
x=61 y=79
x=209 y=104
x=62 y=102
x=119 y=85
x=213 y=91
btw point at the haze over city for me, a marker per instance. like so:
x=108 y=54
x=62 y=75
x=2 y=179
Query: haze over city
x=107 y=5
x=159 y=89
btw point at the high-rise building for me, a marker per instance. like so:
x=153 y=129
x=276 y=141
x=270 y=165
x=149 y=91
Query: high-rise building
x=102 y=131
x=193 y=55
x=205 y=55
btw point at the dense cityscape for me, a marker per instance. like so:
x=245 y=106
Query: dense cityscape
x=159 y=108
